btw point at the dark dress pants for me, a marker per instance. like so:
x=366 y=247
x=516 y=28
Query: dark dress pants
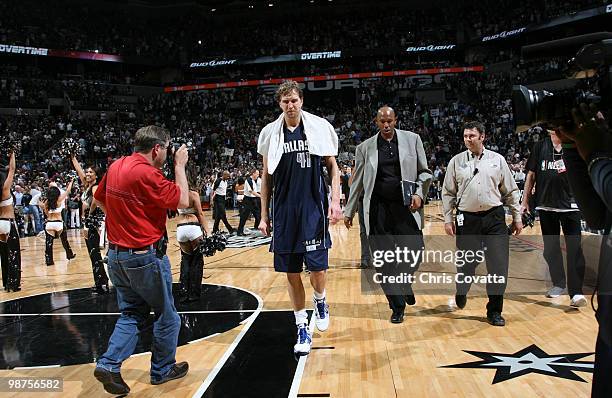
x=479 y=231
x=393 y=226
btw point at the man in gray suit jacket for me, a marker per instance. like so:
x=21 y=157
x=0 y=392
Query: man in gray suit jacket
x=381 y=164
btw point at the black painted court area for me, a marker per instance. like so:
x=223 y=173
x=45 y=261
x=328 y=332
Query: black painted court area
x=263 y=364
x=73 y=327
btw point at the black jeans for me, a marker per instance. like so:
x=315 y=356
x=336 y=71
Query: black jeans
x=220 y=215
x=249 y=206
x=485 y=229
x=551 y=222
x=393 y=226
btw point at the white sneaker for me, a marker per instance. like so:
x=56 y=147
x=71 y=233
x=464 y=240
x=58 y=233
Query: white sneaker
x=555 y=292
x=304 y=340
x=321 y=310
x=578 y=301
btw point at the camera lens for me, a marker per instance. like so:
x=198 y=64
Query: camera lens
x=530 y=106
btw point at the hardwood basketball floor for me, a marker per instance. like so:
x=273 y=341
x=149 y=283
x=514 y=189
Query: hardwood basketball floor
x=362 y=354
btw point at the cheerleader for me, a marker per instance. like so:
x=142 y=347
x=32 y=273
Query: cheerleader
x=10 y=250
x=54 y=228
x=89 y=182
x=191 y=221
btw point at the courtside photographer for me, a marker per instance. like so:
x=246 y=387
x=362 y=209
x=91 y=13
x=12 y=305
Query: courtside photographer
x=581 y=119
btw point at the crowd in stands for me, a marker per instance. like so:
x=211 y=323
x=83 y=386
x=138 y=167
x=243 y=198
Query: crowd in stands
x=78 y=94
x=221 y=126
x=320 y=27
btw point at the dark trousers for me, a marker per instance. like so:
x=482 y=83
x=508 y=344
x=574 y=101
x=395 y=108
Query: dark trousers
x=220 y=215
x=10 y=259
x=249 y=206
x=258 y=211
x=393 y=226
x=192 y=271
x=551 y=222
x=4 y=262
x=485 y=229
x=49 y=246
x=97 y=265
x=363 y=237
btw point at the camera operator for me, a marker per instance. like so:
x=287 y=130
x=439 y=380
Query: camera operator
x=587 y=153
x=556 y=206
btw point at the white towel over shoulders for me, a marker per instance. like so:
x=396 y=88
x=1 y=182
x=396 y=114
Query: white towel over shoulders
x=320 y=134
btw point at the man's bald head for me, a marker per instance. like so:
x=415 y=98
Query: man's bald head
x=385 y=111
x=385 y=120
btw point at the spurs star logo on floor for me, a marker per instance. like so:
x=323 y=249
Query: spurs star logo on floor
x=531 y=359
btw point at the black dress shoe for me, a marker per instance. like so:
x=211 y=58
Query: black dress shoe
x=496 y=319
x=113 y=382
x=410 y=299
x=177 y=371
x=461 y=300
x=397 y=316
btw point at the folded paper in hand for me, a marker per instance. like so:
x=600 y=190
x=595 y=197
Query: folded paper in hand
x=408 y=189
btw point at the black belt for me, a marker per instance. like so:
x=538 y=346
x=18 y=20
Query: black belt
x=113 y=246
x=481 y=213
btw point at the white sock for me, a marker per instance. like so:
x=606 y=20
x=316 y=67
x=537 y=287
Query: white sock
x=319 y=296
x=301 y=317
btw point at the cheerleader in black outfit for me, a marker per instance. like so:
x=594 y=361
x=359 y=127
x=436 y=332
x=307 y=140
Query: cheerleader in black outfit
x=191 y=222
x=89 y=182
x=10 y=250
x=55 y=228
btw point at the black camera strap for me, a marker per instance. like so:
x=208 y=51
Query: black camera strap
x=470 y=180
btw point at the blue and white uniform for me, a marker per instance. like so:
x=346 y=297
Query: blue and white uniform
x=299 y=205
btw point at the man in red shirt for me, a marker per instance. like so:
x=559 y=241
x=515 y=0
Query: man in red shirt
x=135 y=195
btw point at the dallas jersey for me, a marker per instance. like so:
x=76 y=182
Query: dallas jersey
x=299 y=202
